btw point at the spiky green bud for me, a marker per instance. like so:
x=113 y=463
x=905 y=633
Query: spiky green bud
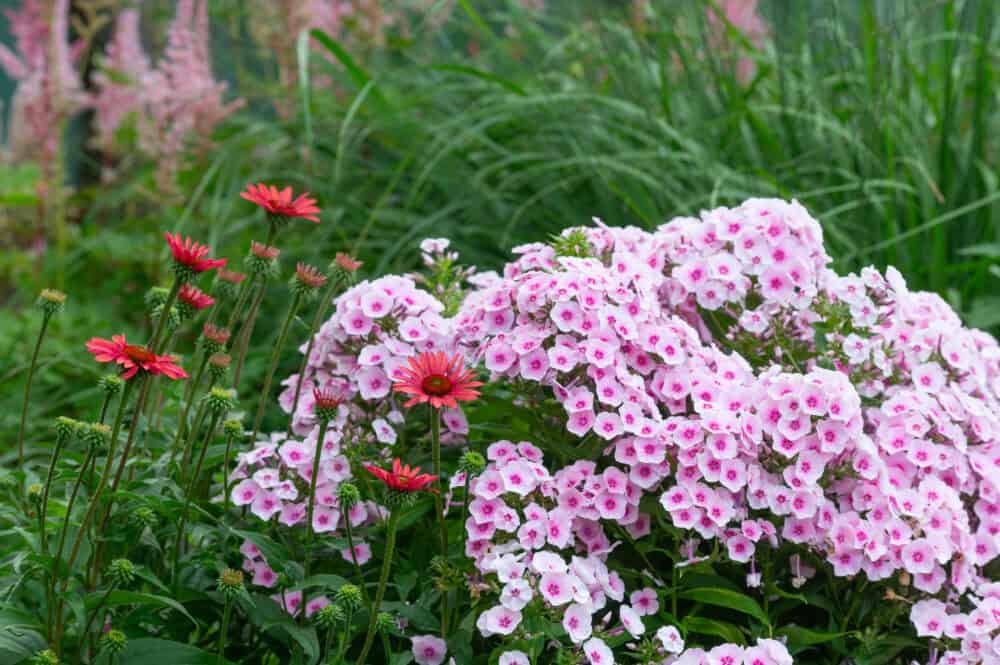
x=231 y=583
x=143 y=517
x=65 y=429
x=472 y=463
x=114 y=641
x=219 y=401
x=385 y=622
x=51 y=301
x=348 y=495
x=329 y=617
x=156 y=297
x=173 y=319
x=348 y=597
x=111 y=384
x=46 y=657
x=233 y=429
x=97 y=435
x=35 y=491
x=218 y=363
x=121 y=572
x=262 y=261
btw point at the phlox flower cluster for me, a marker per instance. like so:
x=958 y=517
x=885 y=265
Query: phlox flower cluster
x=273 y=480
x=358 y=353
x=261 y=574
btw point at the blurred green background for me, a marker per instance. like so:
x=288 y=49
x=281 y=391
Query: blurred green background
x=496 y=123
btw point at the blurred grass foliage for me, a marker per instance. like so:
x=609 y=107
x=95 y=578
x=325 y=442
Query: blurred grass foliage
x=880 y=116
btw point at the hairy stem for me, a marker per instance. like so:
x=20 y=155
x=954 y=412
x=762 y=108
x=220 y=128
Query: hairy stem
x=279 y=344
x=27 y=387
x=390 y=544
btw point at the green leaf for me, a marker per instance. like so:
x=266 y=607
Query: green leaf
x=274 y=552
x=729 y=599
x=360 y=77
x=123 y=597
x=151 y=651
x=727 y=631
x=18 y=637
x=799 y=637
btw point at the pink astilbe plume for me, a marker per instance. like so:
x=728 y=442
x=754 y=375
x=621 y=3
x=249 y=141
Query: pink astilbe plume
x=742 y=17
x=179 y=102
x=123 y=75
x=48 y=87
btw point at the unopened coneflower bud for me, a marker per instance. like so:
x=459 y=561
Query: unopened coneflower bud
x=343 y=267
x=262 y=260
x=472 y=463
x=45 y=657
x=111 y=384
x=348 y=496
x=114 y=641
x=325 y=405
x=121 y=572
x=173 y=318
x=219 y=401
x=385 y=622
x=51 y=301
x=191 y=300
x=35 y=492
x=226 y=282
x=65 y=428
x=214 y=338
x=231 y=582
x=97 y=435
x=143 y=517
x=307 y=280
x=156 y=296
x=329 y=617
x=218 y=363
x=233 y=429
x=349 y=597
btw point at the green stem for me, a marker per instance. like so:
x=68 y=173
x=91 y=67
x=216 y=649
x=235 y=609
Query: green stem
x=354 y=558
x=192 y=484
x=246 y=331
x=439 y=507
x=192 y=435
x=161 y=322
x=387 y=648
x=27 y=388
x=182 y=424
x=241 y=300
x=223 y=630
x=326 y=300
x=279 y=345
x=43 y=509
x=95 y=499
x=346 y=639
x=225 y=474
x=327 y=644
x=91 y=456
x=96 y=611
x=104 y=407
x=390 y=544
x=310 y=530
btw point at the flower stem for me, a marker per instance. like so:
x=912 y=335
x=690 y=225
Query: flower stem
x=96 y=611
x=241 y=300
x=246 y=331
x=182 y=424
x=326 y=300
x=279 y=344
x=390 y=544
x=192 y=484
x=342 y=647
x=354 y=558
x=104 y=407
x=192 y=435
x=161 y=321
x=27 y=387
x=439 y=507
x=310 y=528
x=225 y=473
x=98 y=491
x=43 y=509
x=224 y=629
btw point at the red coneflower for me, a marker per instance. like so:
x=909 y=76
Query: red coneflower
x=325 y=404
x=191 y=257
x=195 y=298
x=215 y=334
x=133 y=358
x=434 y=378
x=231 y=276
x=347 y=263
x=279 y=203
x=402 y=478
